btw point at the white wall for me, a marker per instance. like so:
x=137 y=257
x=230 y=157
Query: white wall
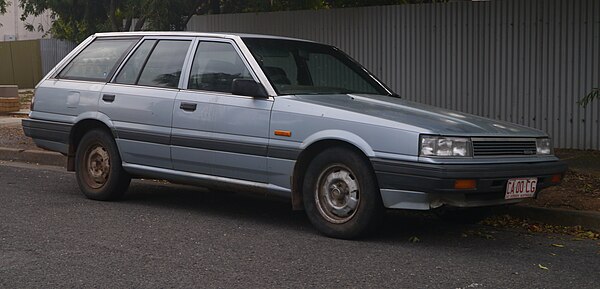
x=12 y=24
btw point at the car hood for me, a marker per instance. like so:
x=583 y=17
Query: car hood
x=416 y=117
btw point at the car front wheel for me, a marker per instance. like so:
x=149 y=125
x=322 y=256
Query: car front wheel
x=341 y=195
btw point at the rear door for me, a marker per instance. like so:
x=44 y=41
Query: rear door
x=76 y=88
x=215 y=132
x=139 y=100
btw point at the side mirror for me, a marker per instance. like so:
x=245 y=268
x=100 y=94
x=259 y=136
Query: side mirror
x=248 y=87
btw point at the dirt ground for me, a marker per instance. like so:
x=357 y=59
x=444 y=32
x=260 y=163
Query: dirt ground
x=578 y=191
x=13 y=137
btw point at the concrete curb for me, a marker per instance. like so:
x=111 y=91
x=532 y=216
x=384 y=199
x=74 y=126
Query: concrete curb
x=33 y=156
x=562 y=217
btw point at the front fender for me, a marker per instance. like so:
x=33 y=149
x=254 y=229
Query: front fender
x=341 y=135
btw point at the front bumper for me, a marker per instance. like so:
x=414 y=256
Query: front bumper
x=421 y=186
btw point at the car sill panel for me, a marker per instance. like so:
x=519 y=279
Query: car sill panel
x=207 y=180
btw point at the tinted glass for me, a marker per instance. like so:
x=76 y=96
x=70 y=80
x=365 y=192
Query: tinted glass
x=298 y=67
x=163 y=68
x=326 y=71
x=97 y=60
x=215 y=67
x=130 y=72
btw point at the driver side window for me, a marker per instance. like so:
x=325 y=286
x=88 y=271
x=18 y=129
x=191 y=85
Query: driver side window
x=215 y=66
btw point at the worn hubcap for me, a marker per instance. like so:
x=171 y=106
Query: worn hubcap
x=337 y=195
x=97 y=162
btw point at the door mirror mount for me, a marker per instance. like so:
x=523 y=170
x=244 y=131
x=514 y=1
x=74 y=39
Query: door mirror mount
x=248 y=87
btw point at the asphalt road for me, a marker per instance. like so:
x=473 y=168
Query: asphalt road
x=165 y=235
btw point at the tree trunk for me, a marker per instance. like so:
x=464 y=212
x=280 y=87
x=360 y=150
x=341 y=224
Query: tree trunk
x=139 y=24
x=127 y=26
x=112 y=9
x=196 y=9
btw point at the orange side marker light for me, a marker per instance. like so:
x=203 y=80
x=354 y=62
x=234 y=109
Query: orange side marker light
x=283 y=133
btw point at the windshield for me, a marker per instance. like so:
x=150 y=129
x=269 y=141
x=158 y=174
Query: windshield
x=297 y=67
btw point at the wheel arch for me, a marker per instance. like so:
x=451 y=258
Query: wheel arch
x=83 y=125
x=315 y=145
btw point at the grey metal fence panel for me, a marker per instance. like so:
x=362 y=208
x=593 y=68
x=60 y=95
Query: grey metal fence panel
x=53 y=51
x=526 y=62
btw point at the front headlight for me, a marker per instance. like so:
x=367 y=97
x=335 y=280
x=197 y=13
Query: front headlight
x=544 y=146
x=440 y=146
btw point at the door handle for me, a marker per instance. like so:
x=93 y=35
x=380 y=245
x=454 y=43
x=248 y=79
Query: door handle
x=188 y=106
x=108 y=97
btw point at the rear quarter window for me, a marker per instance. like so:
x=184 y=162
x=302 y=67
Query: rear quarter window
x=98 y=60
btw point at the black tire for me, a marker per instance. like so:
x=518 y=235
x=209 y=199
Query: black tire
x=463 y=215
x=98 y=168
x=348 y=170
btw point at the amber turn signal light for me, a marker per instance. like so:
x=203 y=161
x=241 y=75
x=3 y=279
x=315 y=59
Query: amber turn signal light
x=465 y=184
x=556 y=178
x=283 y=133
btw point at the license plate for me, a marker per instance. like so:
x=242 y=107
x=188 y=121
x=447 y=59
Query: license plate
x=519 y=188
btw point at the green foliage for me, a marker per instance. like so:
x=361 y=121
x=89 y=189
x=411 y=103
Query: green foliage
x=242 y=6
x=73 y=20
x=76 y=19
x=3 y=5
x=595 y=93
x=362 y=3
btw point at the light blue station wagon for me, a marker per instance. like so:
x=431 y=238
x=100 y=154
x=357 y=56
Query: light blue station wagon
x=277 y=116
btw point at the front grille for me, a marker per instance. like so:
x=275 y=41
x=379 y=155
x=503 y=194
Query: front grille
x=504 y=147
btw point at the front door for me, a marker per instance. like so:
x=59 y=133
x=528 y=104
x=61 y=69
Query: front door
x=215 y=132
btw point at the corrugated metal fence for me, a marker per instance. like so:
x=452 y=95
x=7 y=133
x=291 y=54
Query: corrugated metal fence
x=24 y=63
x=53 y=51
x=521 y=61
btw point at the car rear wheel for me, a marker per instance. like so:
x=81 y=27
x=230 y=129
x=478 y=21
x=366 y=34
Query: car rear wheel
x=341 y=195
x=98 y=167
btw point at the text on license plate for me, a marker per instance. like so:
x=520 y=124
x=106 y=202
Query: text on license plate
x=520 y=188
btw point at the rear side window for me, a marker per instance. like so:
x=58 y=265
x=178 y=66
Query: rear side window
x=163 y=67
x=130 y=72
x=215 y=67
x=98 y=60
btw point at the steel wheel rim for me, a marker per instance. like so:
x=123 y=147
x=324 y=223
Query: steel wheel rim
x=96 y=166
x=337 y=194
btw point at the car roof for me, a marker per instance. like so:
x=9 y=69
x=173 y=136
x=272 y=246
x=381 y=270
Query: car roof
x=196 y=34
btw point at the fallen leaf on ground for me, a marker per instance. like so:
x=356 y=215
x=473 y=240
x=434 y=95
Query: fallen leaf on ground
x=414 y=239
x=508 y=221
x=481 y=234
